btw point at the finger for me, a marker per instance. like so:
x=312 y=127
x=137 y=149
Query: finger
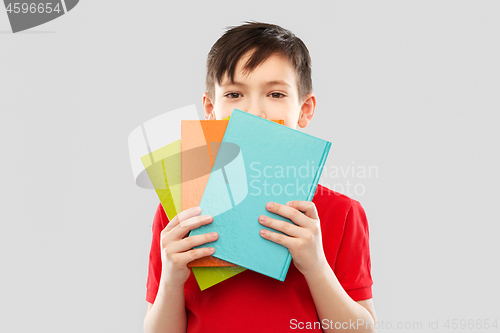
x=183 y=228
x=189 y=242
x=184 y=215
x=184 y=258
x=308 y=207
x=289 y=212
x=277 y=238
x=286 y=227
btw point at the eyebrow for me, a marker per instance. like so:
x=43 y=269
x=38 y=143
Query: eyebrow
x=269 y=83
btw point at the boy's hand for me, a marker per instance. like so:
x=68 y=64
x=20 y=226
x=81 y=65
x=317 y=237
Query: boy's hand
x=177 y=251
x=303 y=240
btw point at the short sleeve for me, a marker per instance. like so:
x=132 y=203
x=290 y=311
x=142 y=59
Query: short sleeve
x=353 y=265
x=160 y=220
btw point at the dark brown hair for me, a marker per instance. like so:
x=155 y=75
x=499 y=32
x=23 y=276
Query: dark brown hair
x=264 y=40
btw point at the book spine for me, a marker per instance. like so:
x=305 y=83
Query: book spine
x=286 y=265
x=319 y=171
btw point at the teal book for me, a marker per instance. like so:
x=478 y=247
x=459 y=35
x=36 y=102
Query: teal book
x=258 y=161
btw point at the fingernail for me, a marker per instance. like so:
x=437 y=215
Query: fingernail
x=269 y=205
x=208 y=218
x=262 y=232
x=213 y=234
x=262 y=218
x=289 y=204
x=197 y=209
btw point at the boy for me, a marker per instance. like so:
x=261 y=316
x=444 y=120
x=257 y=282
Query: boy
x=265 y=70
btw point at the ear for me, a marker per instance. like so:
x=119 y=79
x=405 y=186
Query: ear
x=208 y=107
x=307 y=110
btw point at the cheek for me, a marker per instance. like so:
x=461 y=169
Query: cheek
x=286 y=112
x=291 y=122
x=292 y=117
x=223 y=109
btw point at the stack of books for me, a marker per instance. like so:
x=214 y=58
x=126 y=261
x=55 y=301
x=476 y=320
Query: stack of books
x=232 y=168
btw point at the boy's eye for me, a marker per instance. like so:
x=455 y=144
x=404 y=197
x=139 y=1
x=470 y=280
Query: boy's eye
x=276 y=95
x=233 y=95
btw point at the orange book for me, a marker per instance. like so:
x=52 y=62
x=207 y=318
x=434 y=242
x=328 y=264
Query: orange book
x=200 y=142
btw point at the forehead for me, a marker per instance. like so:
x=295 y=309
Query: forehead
x=275 y=68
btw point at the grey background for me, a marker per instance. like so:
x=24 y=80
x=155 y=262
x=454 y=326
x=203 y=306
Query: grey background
x=410 y=87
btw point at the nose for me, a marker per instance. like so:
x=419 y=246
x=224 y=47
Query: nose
x=256 y=109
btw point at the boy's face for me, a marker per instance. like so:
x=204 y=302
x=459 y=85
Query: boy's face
x=270 y=91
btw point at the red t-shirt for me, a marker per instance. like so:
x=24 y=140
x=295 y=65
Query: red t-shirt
x=252 y=302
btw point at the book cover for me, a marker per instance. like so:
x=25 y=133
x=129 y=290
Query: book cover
x=200 y=142
x=164 y=170
x=258 y=161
